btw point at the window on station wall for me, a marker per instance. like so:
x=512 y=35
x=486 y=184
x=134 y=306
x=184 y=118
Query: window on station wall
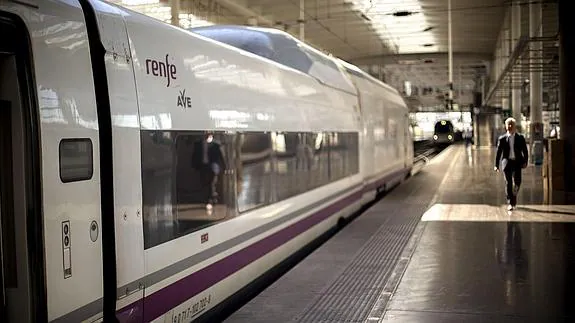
x=183 y=183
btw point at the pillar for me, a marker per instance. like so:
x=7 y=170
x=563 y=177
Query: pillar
x=499 y=60
x=507 y=49
x=516 y=35
x=567 y=93
x=301 y=20
x=175 y=12
x=500 y=122
x=535 y=85
x=505 y=104
x=252 y=21
x=450 y=54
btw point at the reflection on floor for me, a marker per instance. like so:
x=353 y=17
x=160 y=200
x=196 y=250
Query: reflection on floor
x=499 y=213
x=477 y=262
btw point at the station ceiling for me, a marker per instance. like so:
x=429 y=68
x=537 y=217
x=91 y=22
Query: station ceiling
x=398 y=41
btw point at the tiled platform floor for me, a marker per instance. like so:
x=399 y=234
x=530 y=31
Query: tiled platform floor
x=477 y=262
x=468 y=260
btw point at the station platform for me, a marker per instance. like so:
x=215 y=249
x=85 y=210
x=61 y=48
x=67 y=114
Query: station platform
x=440 y=247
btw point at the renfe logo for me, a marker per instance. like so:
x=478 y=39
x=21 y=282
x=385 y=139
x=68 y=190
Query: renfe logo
x=162 y=69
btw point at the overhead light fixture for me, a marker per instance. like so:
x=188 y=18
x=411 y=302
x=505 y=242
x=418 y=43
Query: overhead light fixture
x=427 y=45
x=402 y=27
x=402 y=13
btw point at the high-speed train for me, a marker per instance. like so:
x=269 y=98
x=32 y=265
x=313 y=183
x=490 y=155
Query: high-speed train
x=149 y=173
x=443 y=133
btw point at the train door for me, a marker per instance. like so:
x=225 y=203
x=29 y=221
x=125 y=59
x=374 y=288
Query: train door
x=50 y=175
x=22 y=296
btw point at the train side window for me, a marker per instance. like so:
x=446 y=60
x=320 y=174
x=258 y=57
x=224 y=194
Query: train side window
x=183 y=182
x=318 y=149
x=76 y=159
x=256 y=168
x=352 y=156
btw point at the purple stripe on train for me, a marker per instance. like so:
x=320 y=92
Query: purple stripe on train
x=178 y=292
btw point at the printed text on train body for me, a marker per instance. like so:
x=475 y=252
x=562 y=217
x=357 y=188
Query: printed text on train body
x=162 y=69
x=184 y=101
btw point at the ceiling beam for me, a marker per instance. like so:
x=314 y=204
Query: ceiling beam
x=242 y=8
x=420 y=57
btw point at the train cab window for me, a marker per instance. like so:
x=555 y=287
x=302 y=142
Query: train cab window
x=76 y=160
x=184 y=183
x=443 y=127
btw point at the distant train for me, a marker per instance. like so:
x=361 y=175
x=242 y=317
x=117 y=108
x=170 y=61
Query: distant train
x=443 y=133
x=148 y=173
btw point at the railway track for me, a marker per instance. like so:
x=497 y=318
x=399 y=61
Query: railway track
x=425 y=150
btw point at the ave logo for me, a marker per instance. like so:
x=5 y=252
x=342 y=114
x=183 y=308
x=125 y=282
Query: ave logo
x=184 y=101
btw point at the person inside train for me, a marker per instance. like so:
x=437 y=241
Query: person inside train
x=210 y=161
x=512 y=156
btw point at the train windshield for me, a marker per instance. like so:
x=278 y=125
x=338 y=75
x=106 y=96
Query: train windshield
x=443 y=127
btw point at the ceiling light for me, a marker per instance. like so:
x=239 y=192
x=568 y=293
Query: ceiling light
x=402 y=13
x=427 y=45
x=403 y=29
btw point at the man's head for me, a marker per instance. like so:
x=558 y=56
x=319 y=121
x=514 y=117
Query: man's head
x=510 y=125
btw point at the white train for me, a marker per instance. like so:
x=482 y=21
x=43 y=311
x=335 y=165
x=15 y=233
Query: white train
x=149 y=173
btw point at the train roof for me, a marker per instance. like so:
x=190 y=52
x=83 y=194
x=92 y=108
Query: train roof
x=224 y=87
x=354 y=70
x=283 y=48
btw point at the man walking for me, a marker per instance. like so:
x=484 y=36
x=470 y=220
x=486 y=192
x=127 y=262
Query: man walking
x=512 y=156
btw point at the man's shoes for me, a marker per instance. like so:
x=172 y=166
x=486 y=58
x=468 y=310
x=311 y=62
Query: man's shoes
x=509 y=207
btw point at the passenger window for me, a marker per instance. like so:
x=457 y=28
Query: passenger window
x=289 y=159
x=316 y=172
x=76 y=160
x=183 y=183
x=185 y=188
x=255 y=169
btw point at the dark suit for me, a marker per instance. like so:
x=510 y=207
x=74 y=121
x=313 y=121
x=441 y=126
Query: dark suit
x=208 y=159
x=511 y=167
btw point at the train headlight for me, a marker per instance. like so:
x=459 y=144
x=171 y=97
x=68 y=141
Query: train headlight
x=434 y=137
x=450 y=137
